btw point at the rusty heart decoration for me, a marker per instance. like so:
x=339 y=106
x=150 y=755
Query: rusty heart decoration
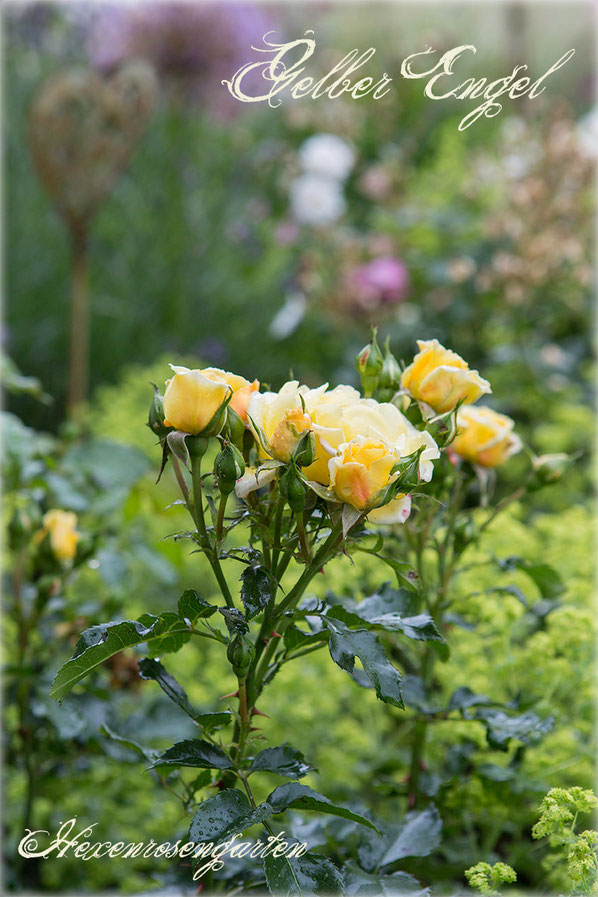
x=83 y=129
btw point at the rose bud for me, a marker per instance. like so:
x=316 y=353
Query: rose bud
x=229 y=466
x=156 y=414
x=293 y=488
x=288 y=434
x=549 y=469
x=369 y=363
x=389 y=380
x=194 y=403
x=240 y=653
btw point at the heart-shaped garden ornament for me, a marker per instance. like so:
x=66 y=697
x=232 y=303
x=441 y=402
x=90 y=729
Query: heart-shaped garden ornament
x=83 y=129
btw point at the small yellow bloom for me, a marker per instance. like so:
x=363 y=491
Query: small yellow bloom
x=287 y=434
x=441 y=378
x=61 y=527
x=361 y=470
x=484 y=436
x=242 y=389
x=192 y=399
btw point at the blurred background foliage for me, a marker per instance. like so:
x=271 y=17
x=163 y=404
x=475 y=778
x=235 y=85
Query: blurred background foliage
x=213 y=248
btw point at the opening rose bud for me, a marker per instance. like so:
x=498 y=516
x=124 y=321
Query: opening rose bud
x=484 y=436
x=192 y=400
x=361 y=470
x=441 y=378
x=288 y=434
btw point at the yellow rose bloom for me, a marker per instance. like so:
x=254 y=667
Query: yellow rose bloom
x=287 y=434
x=441 y=378
x=61 y=528
x=361 y=470
x=192 y=399
x=242 y=389
x=338 y=416
x=484 y=436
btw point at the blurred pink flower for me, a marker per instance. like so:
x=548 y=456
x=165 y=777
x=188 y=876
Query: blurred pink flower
x=197 y=42
x=383 y=281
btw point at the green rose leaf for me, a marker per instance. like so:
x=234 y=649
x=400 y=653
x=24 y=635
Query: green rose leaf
x=295 y=638
x=299 y=797
x=227 y=813
x=545 y=577
x=359 y=884
x=191 y=607
x=256 y=590
x=284 y=761
x=165 y=633
x=528 y=728
x=287 y=876
x=153 y=669
x=210 y=722
x=197 y=753
x=418 y=835
x=347 y=644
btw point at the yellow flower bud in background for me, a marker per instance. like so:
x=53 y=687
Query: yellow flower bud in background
x=287 y=434
x=484 y=436
x=361 y=470
x=192 y=399
x=441 y=378
x=242 y=389
x=61 y=528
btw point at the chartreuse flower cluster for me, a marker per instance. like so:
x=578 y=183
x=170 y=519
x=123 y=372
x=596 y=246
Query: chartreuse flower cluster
x=308 y=473
x=559 y=812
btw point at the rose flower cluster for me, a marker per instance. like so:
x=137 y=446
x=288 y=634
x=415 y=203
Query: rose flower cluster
x=347 y=448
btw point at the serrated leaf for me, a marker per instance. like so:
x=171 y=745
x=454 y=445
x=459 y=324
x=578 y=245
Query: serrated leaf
x=347 y=644
x=227 y=813
x=284 y=761
x=153 y=669
x=299 y=797
x=210 y=722
x=359 y=884
x=301 y=876
x=196 y=753
x=421 y=627
x=256 y=590
x=234 y=619
x=191 y=607
x=528 y=728
x=419 y=836
x=99 y=643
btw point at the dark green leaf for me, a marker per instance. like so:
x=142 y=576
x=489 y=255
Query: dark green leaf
x=284 y=761
x=256 y=590
x=300 y=797
x=234 y=619
x=197 y=753
x=227 y=813
x=153 y=669
x=464 y=697
x=546 y=578
x=359 y=884
x=147 y=753
x=347 y=644
x=295 y=638
x=210 y=722
x=99 y=643
x=288 y=876
x=500 y=727
x=191 y=607
x=418 y=836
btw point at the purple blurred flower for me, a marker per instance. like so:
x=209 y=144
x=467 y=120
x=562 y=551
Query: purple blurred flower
x=193 y=41
x=383 y=281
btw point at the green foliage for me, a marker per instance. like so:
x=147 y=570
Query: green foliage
x=559 y=812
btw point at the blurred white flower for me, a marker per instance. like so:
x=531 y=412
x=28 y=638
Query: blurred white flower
x=587 y=133
x=289 y=316
x=316 y=200
x=328 y=156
